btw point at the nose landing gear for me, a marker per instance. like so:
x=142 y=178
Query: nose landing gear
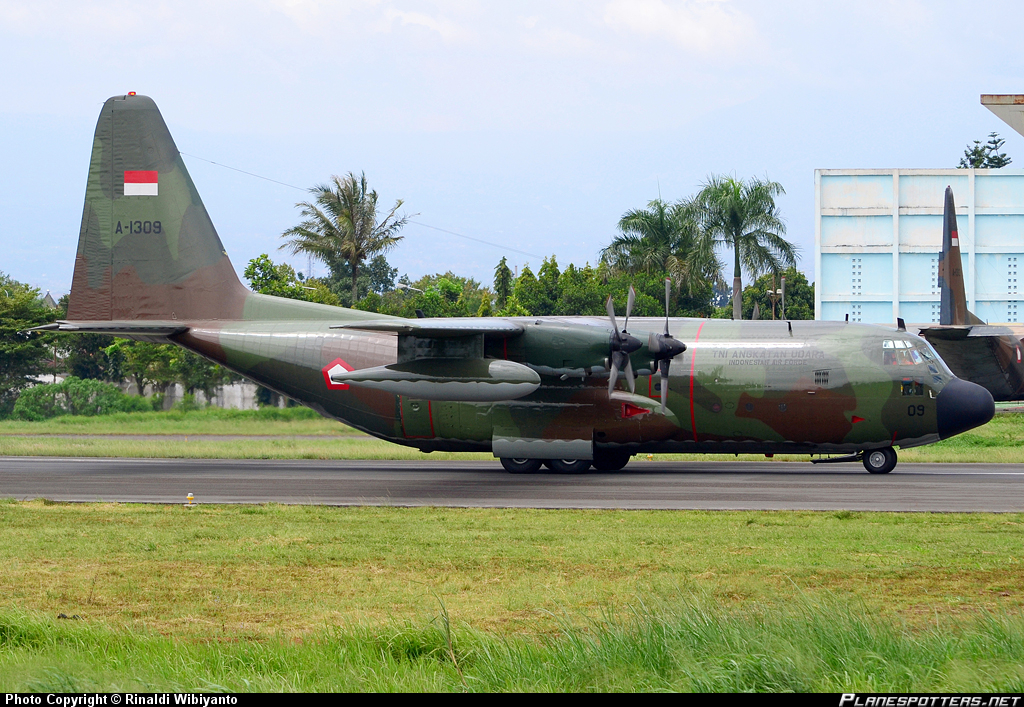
x=880 y=461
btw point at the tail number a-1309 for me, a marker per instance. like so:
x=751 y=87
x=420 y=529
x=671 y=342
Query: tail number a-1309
x=139 y=227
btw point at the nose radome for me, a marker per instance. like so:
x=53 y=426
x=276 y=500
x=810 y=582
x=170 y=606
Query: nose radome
x=962 y=406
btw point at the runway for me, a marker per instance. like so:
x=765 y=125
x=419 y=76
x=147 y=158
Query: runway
x=720 y=485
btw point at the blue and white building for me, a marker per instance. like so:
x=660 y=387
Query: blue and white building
x=878 y=234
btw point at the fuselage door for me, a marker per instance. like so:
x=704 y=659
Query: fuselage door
x=417 y=418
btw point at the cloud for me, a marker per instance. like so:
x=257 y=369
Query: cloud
x=700 y=26
x=448 y=30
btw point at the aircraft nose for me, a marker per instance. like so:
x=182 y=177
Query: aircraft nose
x=961 y=406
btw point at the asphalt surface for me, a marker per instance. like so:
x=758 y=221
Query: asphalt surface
x=643 y=484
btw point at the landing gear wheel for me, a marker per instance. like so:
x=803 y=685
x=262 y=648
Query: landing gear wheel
x=880 y=461
x=520 y=466
x=611 y=461
x=567 y=466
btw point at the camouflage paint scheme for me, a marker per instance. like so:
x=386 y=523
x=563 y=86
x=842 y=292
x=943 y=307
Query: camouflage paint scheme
x=153 y=267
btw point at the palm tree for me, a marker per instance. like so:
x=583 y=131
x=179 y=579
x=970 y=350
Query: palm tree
x=743 y=216
x=341 y=225
x=664 y=238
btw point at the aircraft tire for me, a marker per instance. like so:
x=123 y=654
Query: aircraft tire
x=520 y=466
x=611 y=461
x=568 y=466
x=880 y=461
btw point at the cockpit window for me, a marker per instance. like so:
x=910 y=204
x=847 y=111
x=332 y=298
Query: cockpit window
x=900 y=352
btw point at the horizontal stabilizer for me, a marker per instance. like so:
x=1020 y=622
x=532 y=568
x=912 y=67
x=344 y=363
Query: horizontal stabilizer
x=439 y=327
x=957 y=333
x=987 y=355
x=114 y=328
x=472 y=380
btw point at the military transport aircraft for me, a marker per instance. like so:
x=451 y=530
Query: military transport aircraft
x=570 y=393
x=987 y=355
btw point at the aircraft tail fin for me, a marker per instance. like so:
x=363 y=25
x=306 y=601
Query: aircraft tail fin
x=147 y=248
x=953 y=297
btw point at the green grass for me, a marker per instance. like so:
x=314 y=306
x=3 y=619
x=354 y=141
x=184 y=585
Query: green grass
x=312 y=598
x=690 y=646
x=998 y=442
x=273 y=568
x=211 y=421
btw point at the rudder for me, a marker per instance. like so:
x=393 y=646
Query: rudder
x=952 y=294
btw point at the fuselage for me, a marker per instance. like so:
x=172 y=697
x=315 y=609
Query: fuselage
x=762 y=387
x=151 y=266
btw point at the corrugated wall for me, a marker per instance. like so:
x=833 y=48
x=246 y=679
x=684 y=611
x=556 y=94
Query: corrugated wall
x=878 y=233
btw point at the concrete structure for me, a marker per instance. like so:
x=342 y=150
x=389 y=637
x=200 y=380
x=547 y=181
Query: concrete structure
x=878 y=233
x=234 y=396
x=1009 y=108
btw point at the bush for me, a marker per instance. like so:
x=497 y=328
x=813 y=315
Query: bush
x=75 y=396
x=188 y=403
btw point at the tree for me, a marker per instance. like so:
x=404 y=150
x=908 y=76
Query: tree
x=665 y=239
x=799 y=296
x=439 y=295
x=985 y=156
x=529 y=293
x=23 y=356
x=376 y=277
x=197 y=373
x=341 y=226
x=547 y=278
x=146 y=363
x=267 y=278
x=579 y=293
x=742 y=216
x=281 y=280
x=503 y=281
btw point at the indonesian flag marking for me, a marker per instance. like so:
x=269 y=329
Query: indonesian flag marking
x=955 y=239
x=335 y=366
x=139 y=182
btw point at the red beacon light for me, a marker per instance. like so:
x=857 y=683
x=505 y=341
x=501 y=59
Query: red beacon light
x=131 y=93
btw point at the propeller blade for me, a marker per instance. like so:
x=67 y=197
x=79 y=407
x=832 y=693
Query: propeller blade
x=668 y=284
x=630 y=378
x=613 y=374
x=610 y=308
x=663 y=365
x=630 y=301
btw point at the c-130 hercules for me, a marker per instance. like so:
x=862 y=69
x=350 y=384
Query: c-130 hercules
x=150 y=266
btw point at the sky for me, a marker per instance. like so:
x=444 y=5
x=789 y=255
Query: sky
x=530 y=125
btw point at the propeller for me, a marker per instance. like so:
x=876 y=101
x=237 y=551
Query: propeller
x=622 y=345
x=665 y=347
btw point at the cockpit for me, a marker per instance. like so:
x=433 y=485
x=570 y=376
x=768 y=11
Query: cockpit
x=917 y=354
x=897 y=352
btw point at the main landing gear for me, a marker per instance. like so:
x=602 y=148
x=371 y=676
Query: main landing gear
x=603 y=461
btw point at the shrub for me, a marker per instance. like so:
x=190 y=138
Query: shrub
x=75 y=396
